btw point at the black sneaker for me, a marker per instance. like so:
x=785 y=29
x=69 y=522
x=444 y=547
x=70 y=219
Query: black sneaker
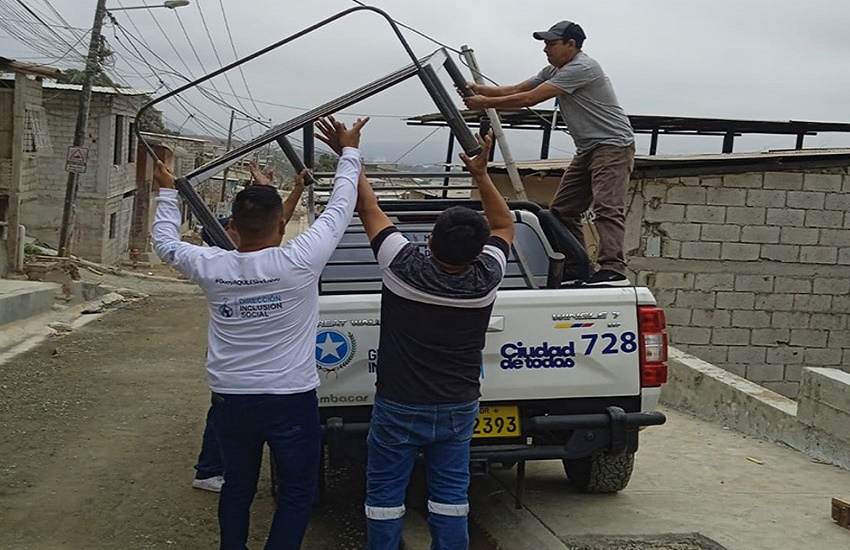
x=571 y=279
x=606 y=277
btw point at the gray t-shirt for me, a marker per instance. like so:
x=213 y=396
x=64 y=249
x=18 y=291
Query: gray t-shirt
x=588 y=103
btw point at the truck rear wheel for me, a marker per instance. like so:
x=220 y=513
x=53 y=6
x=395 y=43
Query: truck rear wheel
x=600 y=473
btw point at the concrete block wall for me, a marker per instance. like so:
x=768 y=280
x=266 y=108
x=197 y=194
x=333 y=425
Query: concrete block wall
x=753 y=269
x=103 y=184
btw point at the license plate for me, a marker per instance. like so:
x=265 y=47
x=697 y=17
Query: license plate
x=498 y=421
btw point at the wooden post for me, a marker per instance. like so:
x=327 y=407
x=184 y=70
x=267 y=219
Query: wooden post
x=90 y=72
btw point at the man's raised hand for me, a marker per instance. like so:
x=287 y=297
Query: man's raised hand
x=162 y=177
x=477 y=165
x=262 y=178
x=337 y=136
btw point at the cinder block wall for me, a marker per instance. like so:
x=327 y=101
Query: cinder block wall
x=753 y=269
x=103 y=189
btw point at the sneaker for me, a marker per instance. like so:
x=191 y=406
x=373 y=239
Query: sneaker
x=607 y=277
x=213 y=484
x=571 y=279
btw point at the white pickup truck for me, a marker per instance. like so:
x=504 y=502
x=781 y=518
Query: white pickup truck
x=567 y=373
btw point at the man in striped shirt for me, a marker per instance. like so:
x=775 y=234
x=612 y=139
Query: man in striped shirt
x=435 y=308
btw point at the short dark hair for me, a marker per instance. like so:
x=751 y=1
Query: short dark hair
x=459 y=235
x=257 y=211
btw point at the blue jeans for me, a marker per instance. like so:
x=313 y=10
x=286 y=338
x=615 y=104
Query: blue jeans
x=210 y=463
x=290 y=426
x=396 y=435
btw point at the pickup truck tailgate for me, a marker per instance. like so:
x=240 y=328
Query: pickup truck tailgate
x=559 y=343
x=563 y=343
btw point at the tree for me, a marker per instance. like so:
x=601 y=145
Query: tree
x=151 y=121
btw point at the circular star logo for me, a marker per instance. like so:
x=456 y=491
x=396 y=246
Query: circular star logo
x=334 y=350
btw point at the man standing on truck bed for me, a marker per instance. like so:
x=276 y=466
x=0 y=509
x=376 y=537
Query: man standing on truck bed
x=264 y=308
x=598 y=174
x=435 y=309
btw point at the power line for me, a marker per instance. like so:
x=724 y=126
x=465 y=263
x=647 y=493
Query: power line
x=216 y=100
x=236 y=55
x=411 y=29
x=215 y=52
x=420 y=142
x=162 y=82
x=194 y=51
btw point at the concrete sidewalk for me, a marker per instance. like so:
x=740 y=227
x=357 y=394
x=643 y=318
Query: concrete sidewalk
x=690 y=476
x=23 y=299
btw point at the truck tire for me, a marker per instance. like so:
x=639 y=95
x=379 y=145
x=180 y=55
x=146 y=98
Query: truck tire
x=600 y=473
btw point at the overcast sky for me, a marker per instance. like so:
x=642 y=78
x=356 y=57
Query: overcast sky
x=752 y=59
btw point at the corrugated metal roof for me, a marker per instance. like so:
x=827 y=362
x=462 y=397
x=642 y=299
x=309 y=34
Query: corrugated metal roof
x=96 y=89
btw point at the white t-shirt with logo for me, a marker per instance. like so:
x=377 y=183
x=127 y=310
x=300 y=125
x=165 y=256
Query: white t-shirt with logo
x=263 y=305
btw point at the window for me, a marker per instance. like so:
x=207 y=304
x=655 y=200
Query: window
x=36 y=136
x=112 y=222
x=131 y=143
x=117 y=152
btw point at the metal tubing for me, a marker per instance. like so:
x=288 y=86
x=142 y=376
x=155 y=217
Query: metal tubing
x=292 y=156
x=266 y=50
x=431 y=81
x=211 y=168
x=199 y=208
x=498 y=132
x=217 y=234
x=457 y=77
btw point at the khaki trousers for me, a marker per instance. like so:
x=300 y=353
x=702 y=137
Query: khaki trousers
x=598 y=178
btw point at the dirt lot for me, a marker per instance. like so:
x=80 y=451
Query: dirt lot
x=99 y=430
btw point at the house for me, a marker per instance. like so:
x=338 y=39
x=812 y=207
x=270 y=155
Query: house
x=107 y=189
x=24 y=144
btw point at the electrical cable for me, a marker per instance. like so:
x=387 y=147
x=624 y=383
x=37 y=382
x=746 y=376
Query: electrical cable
x=236 y=55
x=217 y=57
x=420 y=142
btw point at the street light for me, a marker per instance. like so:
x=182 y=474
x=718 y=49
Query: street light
x=170 y=4
x=91 y=69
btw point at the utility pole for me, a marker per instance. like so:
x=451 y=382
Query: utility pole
x=229 y=140
x=89 y=74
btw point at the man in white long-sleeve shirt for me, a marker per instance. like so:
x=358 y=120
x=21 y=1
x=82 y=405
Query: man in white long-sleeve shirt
x=263 y=306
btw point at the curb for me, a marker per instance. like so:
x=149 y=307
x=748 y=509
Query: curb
x=712 y=393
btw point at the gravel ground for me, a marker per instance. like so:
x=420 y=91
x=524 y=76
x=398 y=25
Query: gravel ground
x=99 y=430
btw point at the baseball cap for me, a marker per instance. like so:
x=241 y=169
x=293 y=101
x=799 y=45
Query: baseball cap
x=562 y=30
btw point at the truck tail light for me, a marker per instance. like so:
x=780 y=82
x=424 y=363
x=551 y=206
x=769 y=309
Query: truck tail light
x=652 y=335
